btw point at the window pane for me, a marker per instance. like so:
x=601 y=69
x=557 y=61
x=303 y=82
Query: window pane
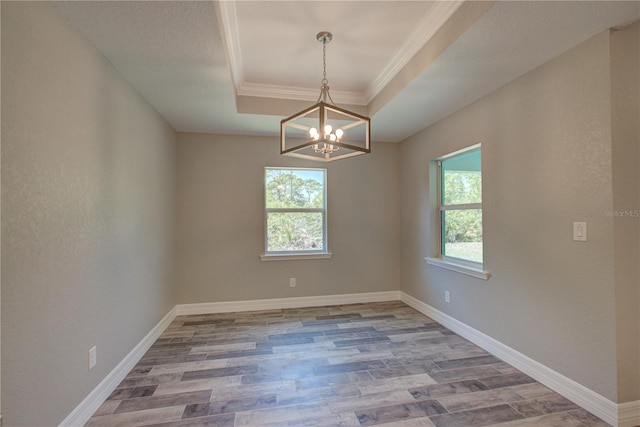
x=294 y=231
x=294 y=188
x=462 y=179
x=462 y=236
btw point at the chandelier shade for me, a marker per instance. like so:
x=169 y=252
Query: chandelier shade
x=325 y=132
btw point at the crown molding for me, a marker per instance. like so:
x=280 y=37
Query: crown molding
x=429 y=25
x=228 y=20
x=298 y=94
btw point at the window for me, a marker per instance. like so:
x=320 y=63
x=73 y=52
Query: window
x=459 y=196
x=295 y=211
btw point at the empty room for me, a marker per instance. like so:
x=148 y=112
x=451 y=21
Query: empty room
x=320 y=213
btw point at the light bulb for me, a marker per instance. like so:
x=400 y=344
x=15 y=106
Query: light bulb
x=313 y=132
x=339 y=133
x=332 y=137
x=327 y=129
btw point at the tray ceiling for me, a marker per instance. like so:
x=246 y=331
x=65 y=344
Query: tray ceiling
x=239 y=67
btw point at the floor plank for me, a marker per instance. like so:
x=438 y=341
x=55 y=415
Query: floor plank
x=350 y=365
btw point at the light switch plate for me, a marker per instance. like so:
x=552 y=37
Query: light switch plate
x=93 y=357
x=580 y=231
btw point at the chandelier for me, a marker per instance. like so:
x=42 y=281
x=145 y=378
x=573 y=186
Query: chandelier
x=325 y=132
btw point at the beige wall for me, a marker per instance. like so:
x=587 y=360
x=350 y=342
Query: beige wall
x=625 y=96
x=0 y=245
x=221 y=223
x=547 y=162
x=88 y=216
x=92 y=192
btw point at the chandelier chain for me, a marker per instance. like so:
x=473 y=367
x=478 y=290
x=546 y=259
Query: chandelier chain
x=324 y=90
x=324 y=64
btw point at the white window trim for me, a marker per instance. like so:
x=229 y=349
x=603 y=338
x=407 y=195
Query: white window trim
x=459 y=266
x=296 y=255
x=468 y=268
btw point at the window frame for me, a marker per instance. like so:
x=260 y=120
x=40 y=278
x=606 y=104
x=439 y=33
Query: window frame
x=464 y=266
x=268 y=255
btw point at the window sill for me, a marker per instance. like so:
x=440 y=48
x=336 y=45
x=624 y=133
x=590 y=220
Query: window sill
x=294 y=257
x=459 y=268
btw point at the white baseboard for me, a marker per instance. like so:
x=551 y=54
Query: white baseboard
x=577 y=393
x=83 y=412
x=623 y=415
x=629 y=414
x=280 y=303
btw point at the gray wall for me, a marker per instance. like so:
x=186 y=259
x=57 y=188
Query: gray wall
x=625 y=104
x=88 y=216
x=547 y=161
x=92 y=192
x=221 y=223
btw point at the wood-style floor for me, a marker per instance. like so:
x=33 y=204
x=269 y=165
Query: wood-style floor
x=350 y=365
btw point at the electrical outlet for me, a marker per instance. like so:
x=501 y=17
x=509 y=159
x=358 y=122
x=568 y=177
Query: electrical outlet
x=93 y=357
x=447 y=296
x=292 y=282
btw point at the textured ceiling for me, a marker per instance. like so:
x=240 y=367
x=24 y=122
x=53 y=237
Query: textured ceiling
x=239 y=67
x=360 y=59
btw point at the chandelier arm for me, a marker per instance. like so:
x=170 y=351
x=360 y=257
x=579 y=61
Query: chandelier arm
x=330 y=99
